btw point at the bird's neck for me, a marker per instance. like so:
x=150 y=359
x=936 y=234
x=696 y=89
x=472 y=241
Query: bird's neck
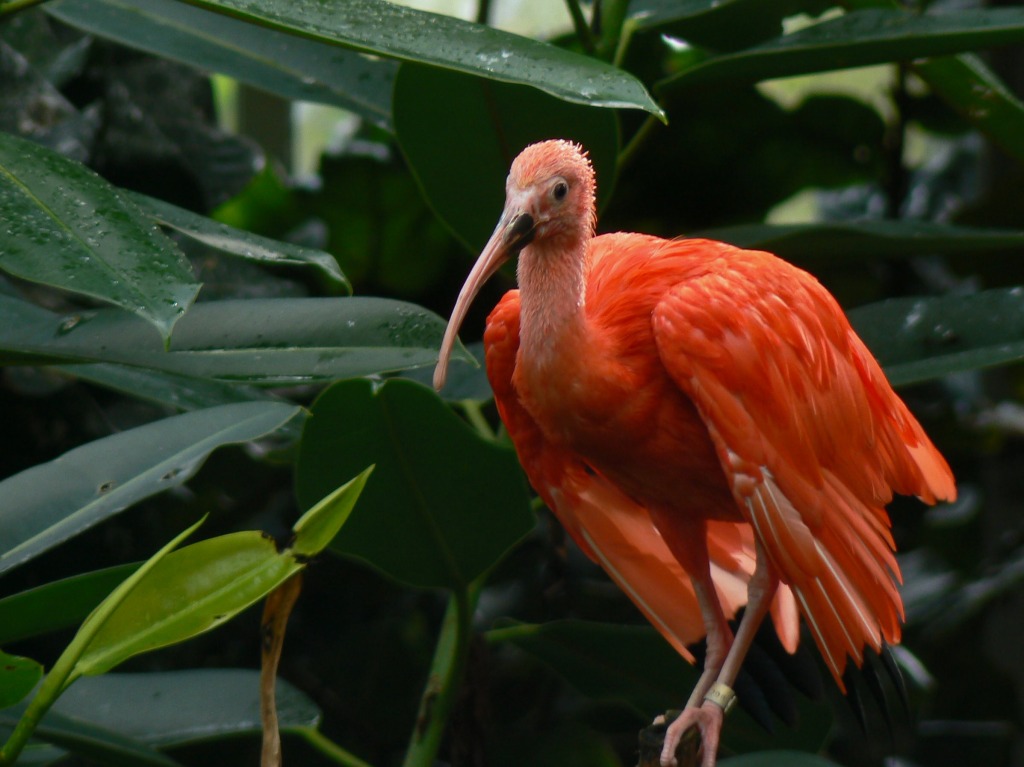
x=552 y=295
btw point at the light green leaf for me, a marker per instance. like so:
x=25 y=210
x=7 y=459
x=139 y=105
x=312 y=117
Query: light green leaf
x=318 y=526
x=186 y=593
x=292 y=67
x=51 y=502
x=68 y=228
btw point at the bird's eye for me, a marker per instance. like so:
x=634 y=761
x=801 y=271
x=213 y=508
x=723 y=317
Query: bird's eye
x=560 y=190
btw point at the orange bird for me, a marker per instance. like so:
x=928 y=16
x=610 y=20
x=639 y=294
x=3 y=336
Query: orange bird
x=706 y=425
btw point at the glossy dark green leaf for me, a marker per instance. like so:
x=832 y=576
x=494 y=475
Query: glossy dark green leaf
x=395 y=31
x=66 y=227
x=51 y=502
x=917 y=339
x=443 y=504
x=461 y=165
x=57 y=605
x=874 y=239
x=859 y=38
x=177 y=707
x=18 y=676
x=296 y=68
x=262 y=341
x=967 y=84
x=180 y=392
x=96 y=744
x=237 y=242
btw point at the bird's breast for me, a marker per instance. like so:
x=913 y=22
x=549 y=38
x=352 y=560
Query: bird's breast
x=622 y=415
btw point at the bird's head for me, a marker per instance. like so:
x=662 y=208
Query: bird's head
x=549 y=201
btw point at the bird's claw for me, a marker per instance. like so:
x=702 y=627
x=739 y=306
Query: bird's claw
x=708 y=721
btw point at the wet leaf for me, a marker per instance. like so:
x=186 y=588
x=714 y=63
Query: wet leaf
x=399 y=32
x=66 y=227
x=260 y=341
x=237 y=242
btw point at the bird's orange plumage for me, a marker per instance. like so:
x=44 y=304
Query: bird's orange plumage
x=689 y=409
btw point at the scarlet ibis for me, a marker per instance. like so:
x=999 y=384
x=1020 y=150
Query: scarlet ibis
x=705 y=423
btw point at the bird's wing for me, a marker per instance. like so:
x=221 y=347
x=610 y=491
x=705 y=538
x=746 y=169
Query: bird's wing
x=610 y=528
x=809 y=433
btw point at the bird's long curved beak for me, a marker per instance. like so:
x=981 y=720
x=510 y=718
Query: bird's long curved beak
x=515 y=230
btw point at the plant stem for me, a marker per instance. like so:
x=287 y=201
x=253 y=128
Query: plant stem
x=483 y=11
x=613 y=17
x=329 y=748
x=579 y=22
x=471 y=408
x=443 y=681
x=628 y=151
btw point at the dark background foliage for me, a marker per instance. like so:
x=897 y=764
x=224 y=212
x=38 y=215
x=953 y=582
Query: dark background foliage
x=915 y=193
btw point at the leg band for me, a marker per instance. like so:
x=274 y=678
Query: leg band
x=721 y=695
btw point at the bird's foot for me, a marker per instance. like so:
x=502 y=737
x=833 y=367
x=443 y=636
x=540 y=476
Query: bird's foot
x=708 y=720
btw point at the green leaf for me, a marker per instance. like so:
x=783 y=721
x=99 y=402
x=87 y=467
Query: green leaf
x=263 y=341
x=57 y=605
x=461 y=165
x=236 y=242
x=967 y=84
x=917 y=339
x=318 y=526
x=394 y=31
x=443 y=504
x=96 y=744
x=859 y=38
x=18 y=676
x=298 y=69
x=875 y=239
x=186 y=593
x=178 y=707
x=180 y=392
x=67 y=228
x=51 y=502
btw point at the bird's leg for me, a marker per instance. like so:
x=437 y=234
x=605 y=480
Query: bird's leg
x=687 y=539
x=709 y=714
